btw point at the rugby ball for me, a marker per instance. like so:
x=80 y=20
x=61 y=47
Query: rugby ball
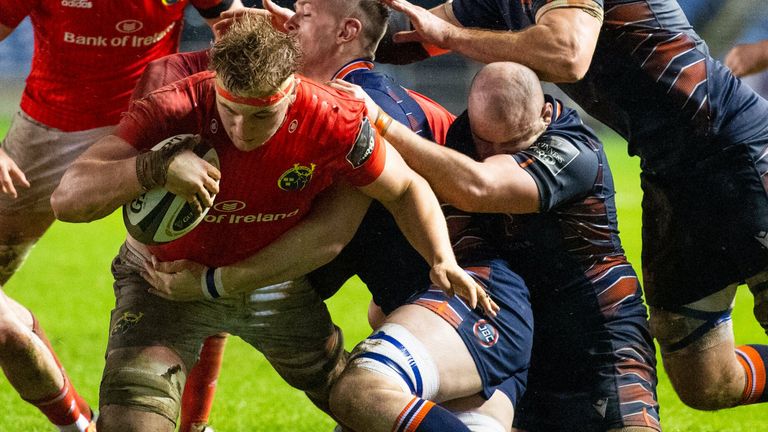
x=159 y=216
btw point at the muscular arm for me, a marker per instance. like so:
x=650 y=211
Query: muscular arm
x=99 y=181
x=236 y=4
x=496 y=185
x=559 y=47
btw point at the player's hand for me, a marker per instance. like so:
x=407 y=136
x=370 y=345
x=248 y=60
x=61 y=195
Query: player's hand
x=277 y=15
x=174 y=280
x=452 y=279
x=10 y=175
x=748 y=59
x=356 y=91
x=427 y=28
x=194 y=179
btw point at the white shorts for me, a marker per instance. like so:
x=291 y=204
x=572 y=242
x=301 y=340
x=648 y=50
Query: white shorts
x=43 y=154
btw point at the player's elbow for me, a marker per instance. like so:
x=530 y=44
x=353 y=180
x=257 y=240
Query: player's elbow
x=470 y=196
x=571 y=61
x=68 y=208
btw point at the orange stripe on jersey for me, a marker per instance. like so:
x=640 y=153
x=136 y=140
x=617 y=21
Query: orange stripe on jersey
x=527 y=163
x=442 y=309
x=346 y=70
x=612 y=296
x=665 y=52
x=636 y=393
x=690 y=77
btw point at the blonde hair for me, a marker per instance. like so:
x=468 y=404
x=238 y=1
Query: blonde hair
x=252 y=58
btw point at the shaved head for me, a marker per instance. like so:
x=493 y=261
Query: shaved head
x=506 y=103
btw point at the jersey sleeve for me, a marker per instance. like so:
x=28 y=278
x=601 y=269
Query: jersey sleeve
x=12 y=12
x=479 y=13
x=439 y=118
x=562 y=168
x=170 y=69
x=210 y=9
x=159 y=115
x=592 y=7
x=366 y=156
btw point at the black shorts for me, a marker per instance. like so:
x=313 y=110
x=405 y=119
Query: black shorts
x=706 y=226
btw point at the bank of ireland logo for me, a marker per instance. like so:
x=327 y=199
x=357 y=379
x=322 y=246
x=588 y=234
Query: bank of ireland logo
x=229 y=206
x=485 y=333
x=126 y=322
x=129 y=26
x=296 y=178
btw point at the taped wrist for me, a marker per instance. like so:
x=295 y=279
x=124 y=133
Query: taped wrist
x=382 y=122
x=152 y=166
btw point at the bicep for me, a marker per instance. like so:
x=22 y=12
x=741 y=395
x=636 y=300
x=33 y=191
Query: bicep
x=394 y=179
x=507 y=188
x=108 y=149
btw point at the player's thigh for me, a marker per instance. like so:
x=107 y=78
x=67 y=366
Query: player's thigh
x=290 y=324
x=43 y=154
x=474 y=353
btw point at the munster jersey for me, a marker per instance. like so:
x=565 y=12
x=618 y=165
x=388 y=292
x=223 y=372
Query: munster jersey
x=90 y=53
x=325 y=137
x=651 y=78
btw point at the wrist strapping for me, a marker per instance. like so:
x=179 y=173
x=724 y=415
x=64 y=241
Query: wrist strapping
x=211 y=284
x=382 y=122
x=152 y=166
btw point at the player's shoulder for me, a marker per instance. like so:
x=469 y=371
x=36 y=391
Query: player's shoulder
x=325 y=114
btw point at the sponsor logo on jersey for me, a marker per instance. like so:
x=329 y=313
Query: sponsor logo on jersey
x=296 y=178
x=129 y=26
x=80 y=4
x=229 y=206
x=231 y=218
x=126 y=322
x=601 y=406
x=169 y=2
x=485 y=333
x=556 y=152
x=364 y=145
x=293 y=126
x=214 y=126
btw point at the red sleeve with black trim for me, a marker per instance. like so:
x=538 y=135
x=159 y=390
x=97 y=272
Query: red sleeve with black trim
x=439 y=118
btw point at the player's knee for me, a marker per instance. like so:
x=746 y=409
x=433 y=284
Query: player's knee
x=346 y=397
x=12 y=256
x=144 y=382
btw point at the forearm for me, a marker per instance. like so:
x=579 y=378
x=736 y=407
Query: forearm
x=314 y=242
x=419 y=217
x=453 y=176
x=94 y=186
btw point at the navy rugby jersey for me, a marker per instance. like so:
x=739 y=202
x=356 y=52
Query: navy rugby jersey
x=651 y=78
x=575 y=234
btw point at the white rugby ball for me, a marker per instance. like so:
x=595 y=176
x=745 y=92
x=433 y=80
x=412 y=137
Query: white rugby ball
x=159 y=216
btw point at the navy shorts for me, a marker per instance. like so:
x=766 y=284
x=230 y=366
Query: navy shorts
x=593 y=360
x=500 y=346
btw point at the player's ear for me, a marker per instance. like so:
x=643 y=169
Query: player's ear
x=546 y=113
x=351 y=29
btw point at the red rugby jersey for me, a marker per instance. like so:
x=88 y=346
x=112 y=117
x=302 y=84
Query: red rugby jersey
x=90 y=53
x=266 y=191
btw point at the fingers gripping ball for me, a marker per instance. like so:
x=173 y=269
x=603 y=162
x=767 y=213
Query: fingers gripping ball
x=159 y=216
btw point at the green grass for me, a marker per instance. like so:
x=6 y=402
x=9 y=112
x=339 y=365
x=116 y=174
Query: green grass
x=66 y=281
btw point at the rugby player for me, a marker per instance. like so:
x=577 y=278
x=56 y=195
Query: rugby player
x=261 y=118
x=546 y=175
x=88 y=57
x=701 y=135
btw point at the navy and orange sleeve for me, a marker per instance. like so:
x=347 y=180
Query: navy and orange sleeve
x=210 y=9
x=12 y=12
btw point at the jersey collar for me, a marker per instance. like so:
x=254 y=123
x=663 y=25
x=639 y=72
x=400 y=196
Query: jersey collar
x=354 y=65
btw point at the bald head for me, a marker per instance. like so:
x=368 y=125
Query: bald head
x=506 y=104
